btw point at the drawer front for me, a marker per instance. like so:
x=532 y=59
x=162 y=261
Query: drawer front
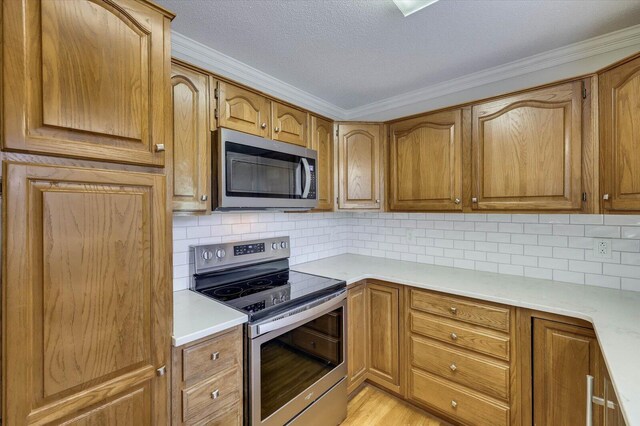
x=464 y=310
x=472 y=371
x=461 y=335
x=316 y=344
x=455 y=401
x=231 y=416
x=328 y=324
x=200 y=401
x=212 y=356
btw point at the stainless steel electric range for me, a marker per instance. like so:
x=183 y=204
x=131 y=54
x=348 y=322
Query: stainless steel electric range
x=295 y=340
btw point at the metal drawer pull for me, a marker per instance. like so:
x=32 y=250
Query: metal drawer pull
x=263 y=126
x=454 y=336
x=474 y=200
x=454 y=403
x=159 y=147
x=204 y=197
x=457 y=201
x=215 y=356
x=453 y=367
x=453 y=310
x=215 y=394
x=161 y=371
x=605 y=197
x=277 y=129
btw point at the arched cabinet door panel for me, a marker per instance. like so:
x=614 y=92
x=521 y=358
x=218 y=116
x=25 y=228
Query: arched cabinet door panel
x=86 y=79
x=243 y=110
x=289 y=124
x=527 y=151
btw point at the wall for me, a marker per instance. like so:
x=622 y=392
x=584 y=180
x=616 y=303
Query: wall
x=558 y=247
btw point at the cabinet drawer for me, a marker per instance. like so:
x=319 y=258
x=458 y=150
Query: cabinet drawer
x=212 y=356
x=469 y=370
x=232 y=416
x=461 y=335
x=455 y=401
x=464 y=310
x=199 y=402
x=316 y=344
x=328 y=324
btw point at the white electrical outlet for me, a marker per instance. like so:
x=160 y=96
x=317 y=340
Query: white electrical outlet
x=602 y=249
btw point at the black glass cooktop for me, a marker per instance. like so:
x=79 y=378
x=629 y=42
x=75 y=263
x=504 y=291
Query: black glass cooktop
x=240 y=289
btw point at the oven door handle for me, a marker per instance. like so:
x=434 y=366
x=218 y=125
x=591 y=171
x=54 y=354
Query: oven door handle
x=307 y=177
x=329 y=305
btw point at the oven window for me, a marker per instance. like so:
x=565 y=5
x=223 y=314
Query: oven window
x=297 y=359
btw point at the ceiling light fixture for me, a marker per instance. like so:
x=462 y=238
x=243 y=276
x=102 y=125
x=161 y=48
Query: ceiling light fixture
x=407 y=7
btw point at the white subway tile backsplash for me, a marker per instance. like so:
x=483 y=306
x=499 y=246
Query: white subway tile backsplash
x=559 y=247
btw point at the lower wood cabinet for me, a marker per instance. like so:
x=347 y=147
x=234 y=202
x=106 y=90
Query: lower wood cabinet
x=356 y=336
x=207 y=381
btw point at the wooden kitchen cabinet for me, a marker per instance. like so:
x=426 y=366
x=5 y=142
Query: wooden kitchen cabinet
x=322 y=142
x=290 y=125
x=425 y=163
x=360 y=166
x=87 y=296
x=243 y=110
x=563 y=355
x=356 y=336
x=76 y=94
x=191 y=151
x=619 y=99
x=612 y=413
x=527 y=150
x=383 y=334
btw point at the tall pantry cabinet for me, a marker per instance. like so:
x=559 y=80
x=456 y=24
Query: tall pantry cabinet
x=86 y=302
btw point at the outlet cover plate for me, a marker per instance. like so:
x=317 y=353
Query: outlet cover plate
x=602 y=248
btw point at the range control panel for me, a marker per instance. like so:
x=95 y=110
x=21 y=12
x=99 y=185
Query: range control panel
x=212 y=257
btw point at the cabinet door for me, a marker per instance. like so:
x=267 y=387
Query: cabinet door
x=425 y=163
x=359 y=166
x=383 y=331
x=322 y=142
x=612 y=413
x=289 y=124
x=191 y=140
x=86 y=79
x=619 y=136
x=87 y=296
x=563 y=355
x=356 y=336
x=243 y=110
x=527 y=151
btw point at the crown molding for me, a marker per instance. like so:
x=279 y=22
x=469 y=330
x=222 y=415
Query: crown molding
x=194 y=52
x=197 y=53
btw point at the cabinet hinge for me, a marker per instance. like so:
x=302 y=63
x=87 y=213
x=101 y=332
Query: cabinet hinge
x=215 y=113
x=215 y=93
x=584 y=91
x=584 y=196
x=337 y=132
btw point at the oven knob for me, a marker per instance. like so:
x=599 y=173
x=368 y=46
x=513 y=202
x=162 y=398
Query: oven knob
x=207 y=254
x=274 y=300
x=283 y=298
x=220 y=253
x=274 y=246
x=283 y=244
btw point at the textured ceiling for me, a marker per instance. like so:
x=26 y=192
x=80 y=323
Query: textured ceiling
x=356 y=52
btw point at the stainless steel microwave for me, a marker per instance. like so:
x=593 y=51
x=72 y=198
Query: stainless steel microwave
x=255 y=173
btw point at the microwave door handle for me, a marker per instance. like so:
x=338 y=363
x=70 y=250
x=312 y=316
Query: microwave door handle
x=307 y=177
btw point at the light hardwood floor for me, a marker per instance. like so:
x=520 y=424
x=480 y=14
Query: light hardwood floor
x=372 y=406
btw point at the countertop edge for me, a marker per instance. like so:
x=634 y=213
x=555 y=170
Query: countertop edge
x=205 y=332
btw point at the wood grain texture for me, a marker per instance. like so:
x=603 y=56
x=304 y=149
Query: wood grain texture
x=322 y=142
x=243 y=110
x=359 y=166
x=619 y=134
x=383 y=358
x=425 y=163
x=129 y=409
x=75 y=94
x=527 y=151
x=563 y=355
x=198 y=400
x=191 y=153
x=356 y=336
x=212 y=356
x=86 y=308
x=462 y=309
x=290 y=125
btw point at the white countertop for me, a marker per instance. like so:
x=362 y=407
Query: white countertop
x=615 y=314
x=196 y=316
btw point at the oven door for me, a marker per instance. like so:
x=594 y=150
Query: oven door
x=292 y=366
x=260 y=173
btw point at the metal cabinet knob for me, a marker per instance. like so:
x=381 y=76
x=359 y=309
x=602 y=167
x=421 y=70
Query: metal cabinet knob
x=453 y=310
x=454 y=336
x=454 y=403
x=377 y=201
x=215 y=394
x=605 y=197
x=474 y=200
x=457 y=201
x=453 y=367
x=215 y=356
x=277 y=129
x=161 y=371
x=204 y=197
x=159 y=147
x=263 y=126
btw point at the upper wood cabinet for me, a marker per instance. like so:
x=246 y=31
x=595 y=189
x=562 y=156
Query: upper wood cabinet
x=527 y=151
x=243 y=110
x=289 y=124
x=356 y=336
x=360 y=166
x=620 y=137
x=86 y=79
x=87 y=296
x=425 y=163
x=191 y=153
x=322 y=142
